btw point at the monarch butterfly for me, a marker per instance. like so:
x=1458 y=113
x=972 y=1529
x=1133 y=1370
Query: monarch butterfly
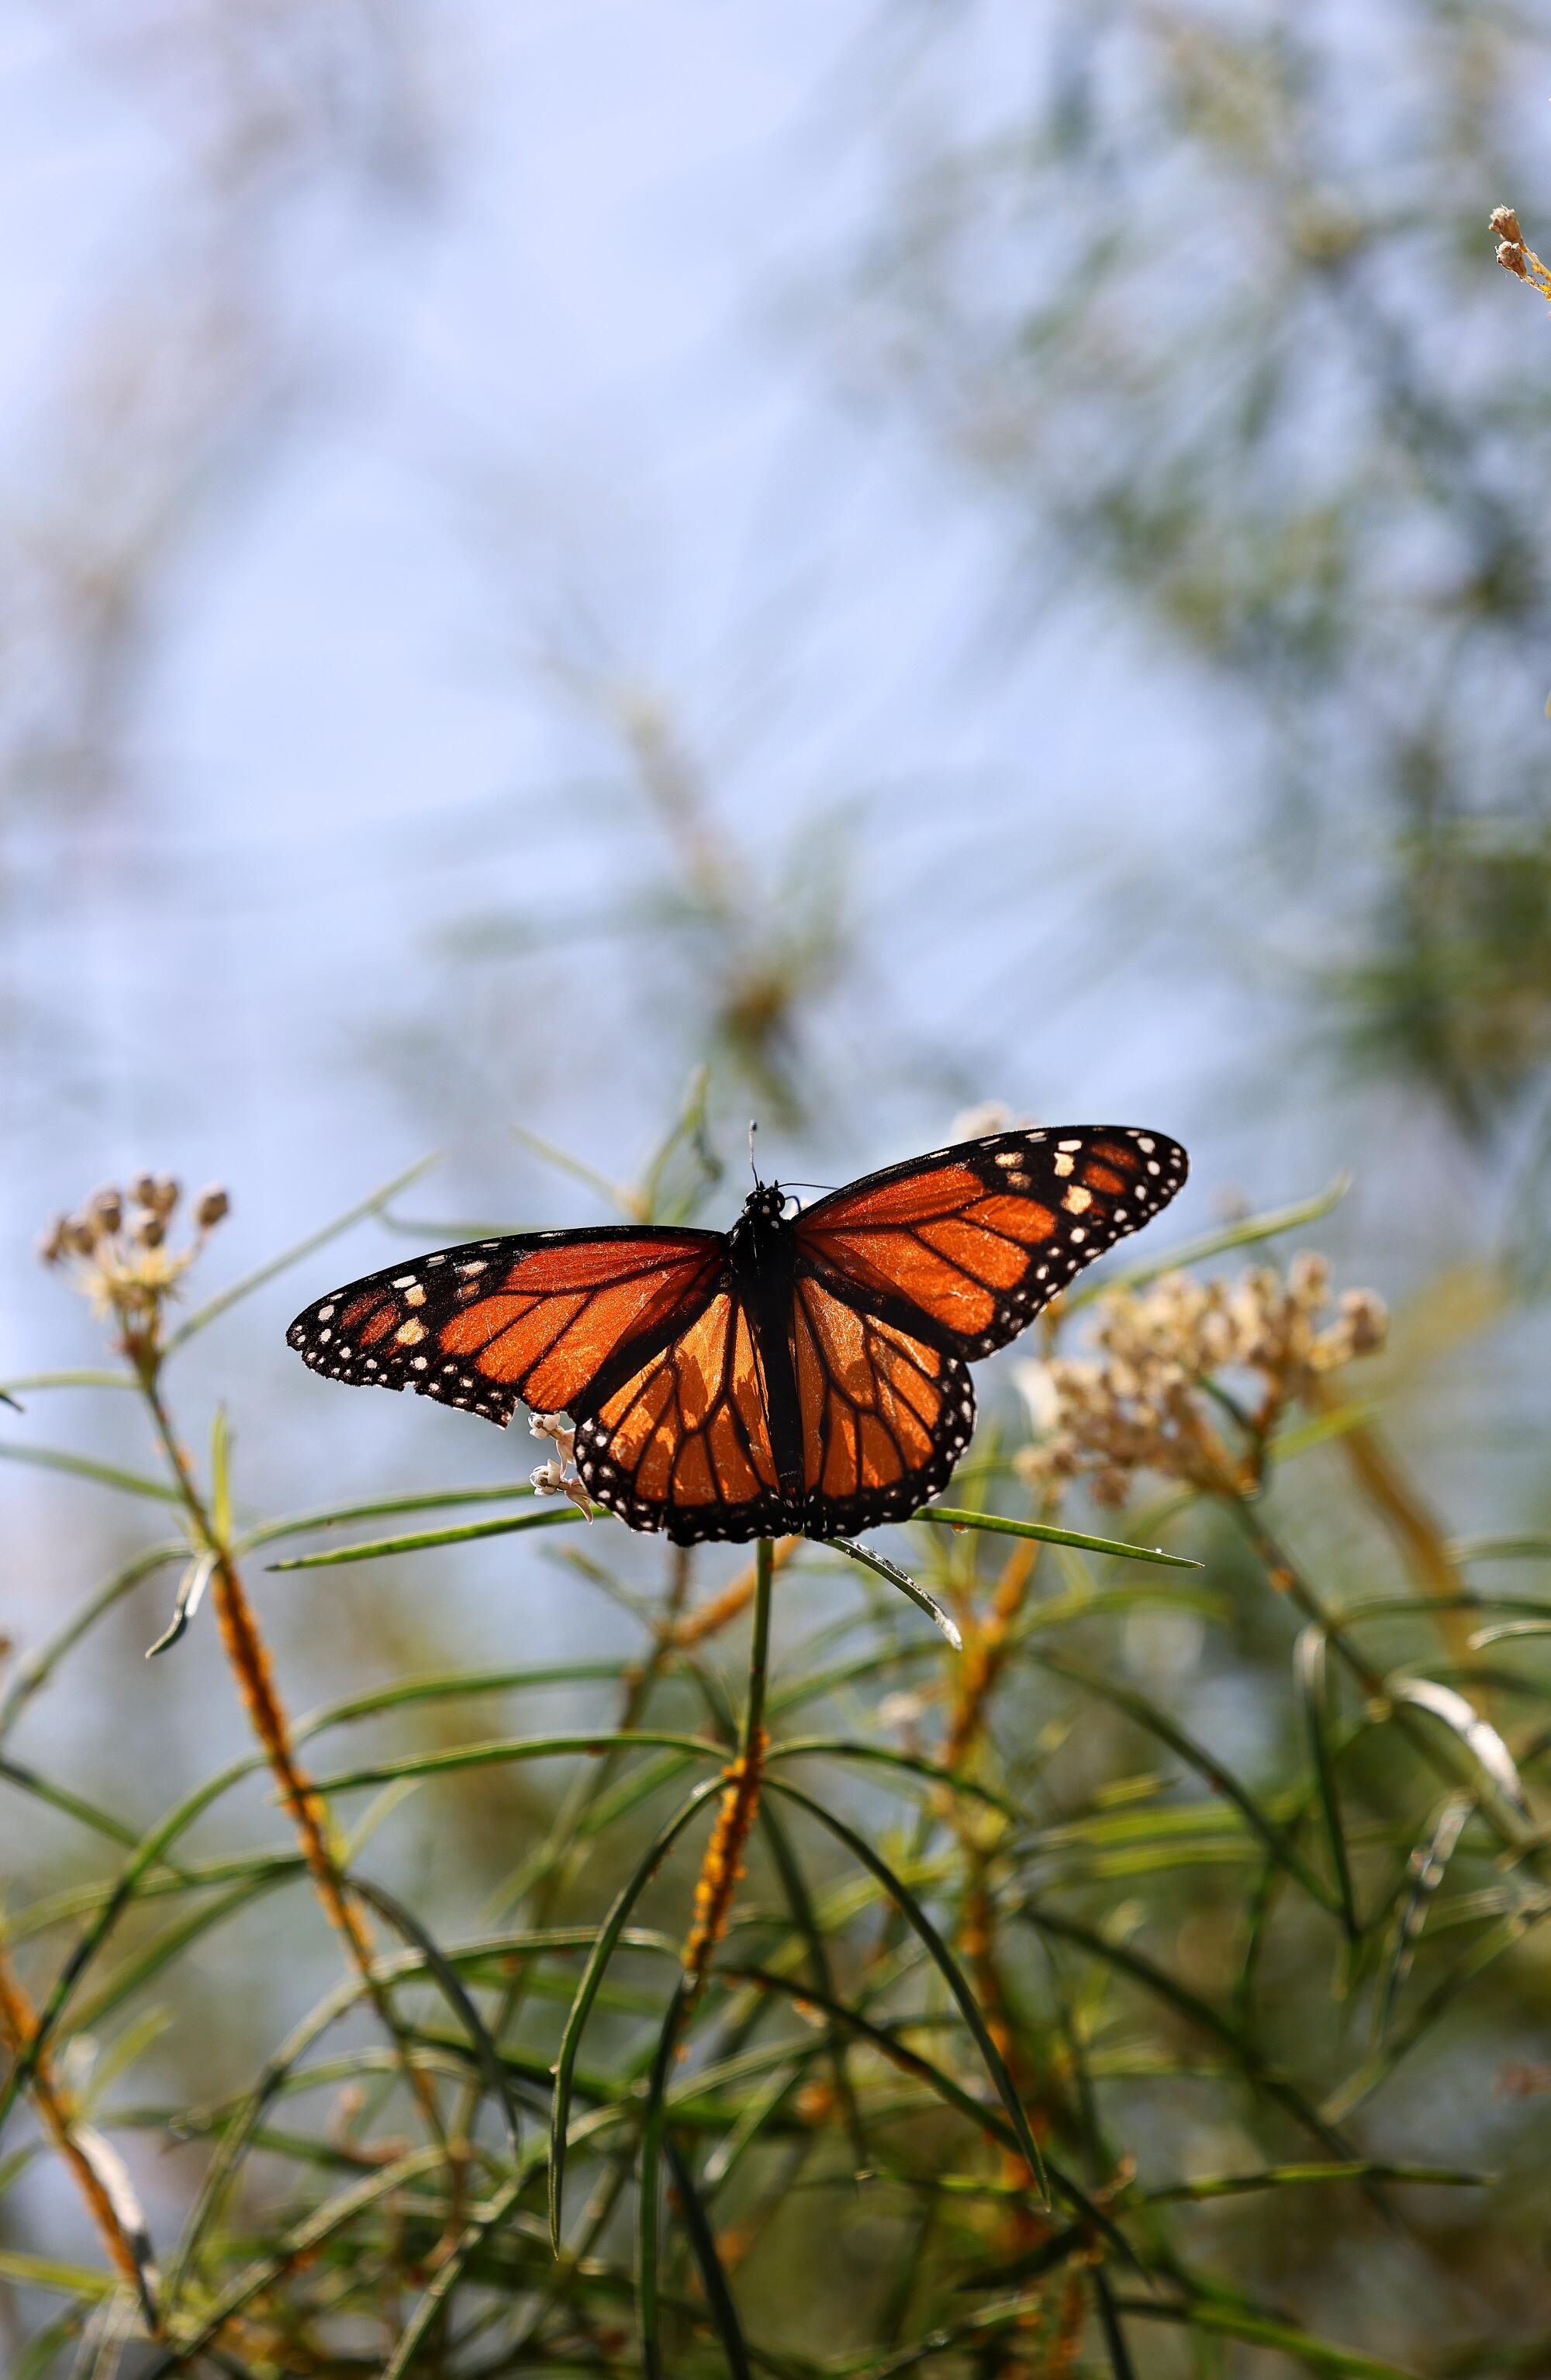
x=802 y=1372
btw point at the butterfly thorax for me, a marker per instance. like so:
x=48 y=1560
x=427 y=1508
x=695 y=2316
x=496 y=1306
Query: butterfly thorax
x=762 y=1251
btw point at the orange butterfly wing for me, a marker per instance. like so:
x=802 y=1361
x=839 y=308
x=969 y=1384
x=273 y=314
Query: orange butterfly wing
x=684 y=1443
x=885 y=1414
x=966 y=1245
x=541 y=1317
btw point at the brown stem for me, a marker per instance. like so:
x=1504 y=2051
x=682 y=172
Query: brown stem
x=253 y=1670
x=18 y=2023
x=1389 y=1487
x=722 y=1866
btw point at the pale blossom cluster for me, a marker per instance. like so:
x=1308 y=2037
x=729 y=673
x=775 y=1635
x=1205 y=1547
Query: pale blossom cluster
x=557 y=1477
x=115 y=1250
x=1185 y=1369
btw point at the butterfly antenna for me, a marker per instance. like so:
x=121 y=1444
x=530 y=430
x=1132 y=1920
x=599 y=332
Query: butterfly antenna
x=753 y=1128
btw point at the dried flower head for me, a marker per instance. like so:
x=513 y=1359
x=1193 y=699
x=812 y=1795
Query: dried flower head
x=1191 y=1376
x=1514 y=255
x=118 y=1256
x=211 y=1206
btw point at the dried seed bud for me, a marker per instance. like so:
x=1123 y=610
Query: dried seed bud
x=212 y=1208
x=52 y=1243
x=1504 y=223
x=164 y=1195
x=80 y=1234
x=108 y=1205
x=142 y=1189
x=150 y=1230
x=1511 y=256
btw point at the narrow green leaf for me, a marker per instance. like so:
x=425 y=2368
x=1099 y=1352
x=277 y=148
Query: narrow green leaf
x=86 y=1466
x=649 y=2181
x=1303 y=2176
x=1480 y=1739
x=221 y=1476
x=297 y=1525
x=1205 y=1764
x=403 y=1921
x=1427 y=1867
x=222 y=1303
x=587 y=1990
x=1248 y=1233
x=1506 y=1629
x=1310 y=1669
x=190 y=1594
x=943 y=1958
x=906 y=1584
x=1165 y=1986
x=1533 y=1545
x=536 y=1747
x=1261 y=2330
x=77 y=1379
x=47 y=2272
x=553 y=1517
x=708 y=2258
x=950 y=1517
x=72 y=1805
x=35 y=1670
x=405 y=2357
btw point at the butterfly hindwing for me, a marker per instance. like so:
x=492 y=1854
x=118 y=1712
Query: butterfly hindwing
x=684 y=1443
x=536 y=1317
x=885 y=1414
x=967 y=1245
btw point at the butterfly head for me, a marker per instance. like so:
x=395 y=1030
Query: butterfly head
x=766 y=1204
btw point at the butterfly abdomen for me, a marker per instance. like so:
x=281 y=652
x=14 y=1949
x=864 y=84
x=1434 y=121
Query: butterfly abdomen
x=763 y=1249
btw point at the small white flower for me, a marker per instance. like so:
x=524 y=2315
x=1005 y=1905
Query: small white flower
x=555 y=1477
x=554 y=1426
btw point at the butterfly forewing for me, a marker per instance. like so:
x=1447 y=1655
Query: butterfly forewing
x=537 y=1318
x=966 y=1245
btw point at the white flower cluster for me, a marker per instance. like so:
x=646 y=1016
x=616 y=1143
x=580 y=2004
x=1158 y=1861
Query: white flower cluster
x=1138 y=1404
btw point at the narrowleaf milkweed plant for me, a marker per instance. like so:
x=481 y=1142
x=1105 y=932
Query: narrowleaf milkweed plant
x=955 y=1997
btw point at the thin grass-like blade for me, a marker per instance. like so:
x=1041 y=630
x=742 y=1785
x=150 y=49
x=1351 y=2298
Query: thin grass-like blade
x=190 y=1594
x=1428 y=1865
x=649 y=2183
x=949 y=1516
x=1311 y=1672
x=587 y=1990
x=37 y=1668
x=906 y=1584
x=708 y=2258
x=222 y=1303
x=86 y=1466
x=1253 y=1229
x=535 y=1747
x=943 y=1958
x=380 y=1548
x=1480 y=1739
x=1262 y=2330
x=1147 y=1715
